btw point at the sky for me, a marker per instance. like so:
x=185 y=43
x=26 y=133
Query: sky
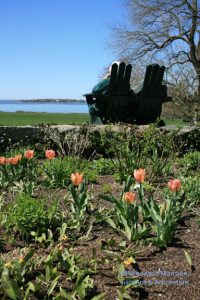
x=54 y=48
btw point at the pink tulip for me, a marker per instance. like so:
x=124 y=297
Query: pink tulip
x=174 y=184
x=139 y=175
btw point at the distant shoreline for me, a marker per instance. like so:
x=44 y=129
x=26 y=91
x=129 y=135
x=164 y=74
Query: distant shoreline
x=74 y=101
x=42 y=112
x=54 y=100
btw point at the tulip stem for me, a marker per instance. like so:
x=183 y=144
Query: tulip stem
x=141 y=195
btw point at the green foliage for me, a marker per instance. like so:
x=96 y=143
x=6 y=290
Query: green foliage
x=120 y=148
x=190 y=162
x=125 y=216
x=24 y=187
x=79 y=203
x=103 y=166
x=191 y=187
x=20 y=279
x=13 y=276
x=123 y=293
x=130 y=149
x=58 y=171
x=188 y=142
x=27 y=214
x=165 y=217
x=106 y=188
x=137 y=220
x=1 y=247
x=1 y=264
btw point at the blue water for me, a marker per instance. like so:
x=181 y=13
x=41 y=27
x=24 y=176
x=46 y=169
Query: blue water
x=14 y=105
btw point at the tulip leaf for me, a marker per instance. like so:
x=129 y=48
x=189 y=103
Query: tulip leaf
x=108 y=198
x=188 y=258
x=53 y=285
x=10 y=286
x=99 y=297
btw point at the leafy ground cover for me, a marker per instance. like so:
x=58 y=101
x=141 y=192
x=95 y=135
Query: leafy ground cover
x=122 y=226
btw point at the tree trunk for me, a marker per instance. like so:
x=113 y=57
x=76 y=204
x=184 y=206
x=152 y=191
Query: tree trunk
x=197 y=96
x=197 y=102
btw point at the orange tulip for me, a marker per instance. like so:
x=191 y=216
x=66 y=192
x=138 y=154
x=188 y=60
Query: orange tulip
x=29 y=154
x=76 y=178
x=139 y=175
x=2 y=160
x=174 y=184
x=129 y=197
x=50 y=154
x=8 y=160
x=14 y=160
x=18 y=157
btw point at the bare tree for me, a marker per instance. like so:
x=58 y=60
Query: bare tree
x=167 y=31
x=183 y=89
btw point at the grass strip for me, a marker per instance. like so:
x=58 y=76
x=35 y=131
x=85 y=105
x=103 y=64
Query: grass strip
x=30 y=118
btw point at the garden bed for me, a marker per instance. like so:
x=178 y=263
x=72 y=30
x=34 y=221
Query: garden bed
x=118 y=228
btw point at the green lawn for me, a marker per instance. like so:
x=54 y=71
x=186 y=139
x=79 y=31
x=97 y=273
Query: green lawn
x=178 y=122
x=25 y=118
x=29 y=118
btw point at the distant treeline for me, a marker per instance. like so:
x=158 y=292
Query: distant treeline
x=55 y=100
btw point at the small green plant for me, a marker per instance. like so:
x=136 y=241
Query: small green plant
x=121 y=148
x=27 y=214
x=45 y=239
x=159 y=165
x=106 y=188
x=58 y=171
x=191 y=186
x=166 y=215
x=23 y=187
x=190 y=163
x=126 y=213
x=104 y=166
x=80 y=198
x=164 y=222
